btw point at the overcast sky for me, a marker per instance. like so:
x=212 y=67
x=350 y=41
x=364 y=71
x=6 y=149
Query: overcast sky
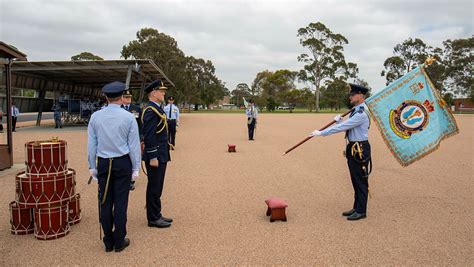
x=241 y=38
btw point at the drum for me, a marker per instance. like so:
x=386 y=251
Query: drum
x=21 y=220
x=74 y=210
x=48 y=191
x=46 y=157
x=51 y=223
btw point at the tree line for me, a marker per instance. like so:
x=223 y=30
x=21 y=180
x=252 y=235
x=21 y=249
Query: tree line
x=321 y=83
x=195 y=78
x=326 y=72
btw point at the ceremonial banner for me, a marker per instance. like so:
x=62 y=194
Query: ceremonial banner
x=246 y=104
x=412 y=117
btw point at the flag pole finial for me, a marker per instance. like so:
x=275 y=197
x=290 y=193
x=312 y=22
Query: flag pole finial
x=430 y=60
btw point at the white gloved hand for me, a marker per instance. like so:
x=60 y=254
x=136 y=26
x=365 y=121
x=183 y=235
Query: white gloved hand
x=135 y=175
x=93 y=173
x=338 y=118
x=315 y=133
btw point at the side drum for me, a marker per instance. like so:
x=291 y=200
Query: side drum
x=48 y=191
x=74 y=210
x=51 y=223
x=21 y=220
x=46 y=157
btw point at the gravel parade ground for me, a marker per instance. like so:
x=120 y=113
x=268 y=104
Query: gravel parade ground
x=419 y=215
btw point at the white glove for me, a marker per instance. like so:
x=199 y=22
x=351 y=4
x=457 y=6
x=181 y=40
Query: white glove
x=338 y=118
x=135 y=175
x=93 y=173
x=315 y=133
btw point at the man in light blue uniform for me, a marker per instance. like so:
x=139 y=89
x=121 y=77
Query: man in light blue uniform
x=357 y=150
x=252 y=114
x=114 y=160
x=172 y=113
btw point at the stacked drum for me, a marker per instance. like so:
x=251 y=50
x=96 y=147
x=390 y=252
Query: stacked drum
x=46 y=203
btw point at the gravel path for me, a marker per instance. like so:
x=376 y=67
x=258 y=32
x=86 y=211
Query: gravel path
x=419 y=215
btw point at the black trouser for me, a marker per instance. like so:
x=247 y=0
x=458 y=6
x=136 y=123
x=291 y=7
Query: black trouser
x=14 y=123
x=359 y=175
x=171 y=131
x=251 y=127
x=114 y=211
x=58 y=123
x=154 y=189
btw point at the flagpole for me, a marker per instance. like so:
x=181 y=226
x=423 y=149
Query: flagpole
x=309 y=137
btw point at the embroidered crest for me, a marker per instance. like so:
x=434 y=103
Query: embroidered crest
x=410 y=117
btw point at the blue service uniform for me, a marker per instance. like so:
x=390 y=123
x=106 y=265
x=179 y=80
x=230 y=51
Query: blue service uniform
x=57 y=115
x=113 y=144
x=137 y=112
x=252 y=114
x=155 y=134
x=172 y=113
x=358 y=152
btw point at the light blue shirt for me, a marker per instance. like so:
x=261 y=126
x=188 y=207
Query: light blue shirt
x=15 y=111
x=357 y=125
x=113 y=132
x=174 y=112
x=252 y=112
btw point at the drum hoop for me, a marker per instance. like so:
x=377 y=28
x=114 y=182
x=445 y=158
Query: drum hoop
x=56 y=235
x=37 y=176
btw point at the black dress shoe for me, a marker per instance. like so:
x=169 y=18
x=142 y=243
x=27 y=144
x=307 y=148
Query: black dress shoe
x=109 y=249
x=356 y=216
x=132 y=186
x=126 y=243
x=167 y=219
x=348 y=213
x=160 y=223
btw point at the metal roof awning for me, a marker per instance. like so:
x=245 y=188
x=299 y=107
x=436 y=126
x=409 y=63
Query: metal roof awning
x=93 y=74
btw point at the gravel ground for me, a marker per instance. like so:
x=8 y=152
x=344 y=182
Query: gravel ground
x=419 y=215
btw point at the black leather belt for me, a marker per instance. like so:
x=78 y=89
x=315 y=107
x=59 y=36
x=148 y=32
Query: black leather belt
x=360 y=142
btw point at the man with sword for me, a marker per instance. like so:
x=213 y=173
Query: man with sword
x=114 y=160
x=357 y=150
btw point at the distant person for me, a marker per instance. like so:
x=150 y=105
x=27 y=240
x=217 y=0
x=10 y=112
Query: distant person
x=1 y=121
x=15 y=114
x=252 y=114
x=57 y=115
x=136 y=111
x=172 y=113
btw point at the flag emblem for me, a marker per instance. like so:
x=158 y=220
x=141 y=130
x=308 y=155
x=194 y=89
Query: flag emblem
x=410 y=117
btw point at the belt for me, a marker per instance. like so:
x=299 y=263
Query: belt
x=360 y=142
x=171 y=119
x=126 y=155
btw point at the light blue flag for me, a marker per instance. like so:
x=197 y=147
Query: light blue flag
x=246 y=104
x=411 y=116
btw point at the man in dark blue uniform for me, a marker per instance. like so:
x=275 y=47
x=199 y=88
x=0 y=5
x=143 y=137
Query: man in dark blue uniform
x=156 y=153
x=114 y=160
x=357 y=151
x=136 y=111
